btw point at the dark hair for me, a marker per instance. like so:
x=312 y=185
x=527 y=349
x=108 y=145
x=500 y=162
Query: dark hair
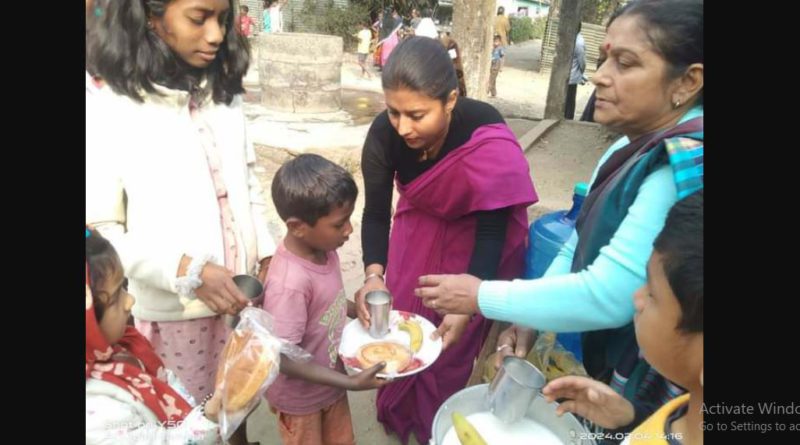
x=497 y=37
x=387 y=24
x=102 y=260
x=681 y=245
x=246 y=9
x=501 y=10
x=309 y=186
x=674 y=28
x=427 y=13
x=420 y=64
x=130 y=57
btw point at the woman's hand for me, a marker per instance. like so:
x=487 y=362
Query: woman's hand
x=515 y=340
x=219 y=292
x=451 y=329
x=373 y=282
x=449 y=294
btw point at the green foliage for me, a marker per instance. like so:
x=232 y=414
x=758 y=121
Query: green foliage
x=325 y=17
x=526 y=28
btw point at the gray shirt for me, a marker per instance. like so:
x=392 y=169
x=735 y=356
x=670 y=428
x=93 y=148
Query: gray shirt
x=578 y=61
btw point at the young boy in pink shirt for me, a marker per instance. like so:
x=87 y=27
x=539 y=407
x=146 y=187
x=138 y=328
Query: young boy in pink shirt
x=305 y=294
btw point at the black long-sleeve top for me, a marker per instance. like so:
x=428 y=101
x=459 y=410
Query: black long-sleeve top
x=386 y=153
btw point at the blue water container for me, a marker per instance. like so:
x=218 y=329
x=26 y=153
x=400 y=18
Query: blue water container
x=546 y=237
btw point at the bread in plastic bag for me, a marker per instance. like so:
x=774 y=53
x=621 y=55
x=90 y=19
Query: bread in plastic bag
x=248 y=365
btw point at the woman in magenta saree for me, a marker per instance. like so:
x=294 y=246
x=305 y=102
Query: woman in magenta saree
x=464 y=187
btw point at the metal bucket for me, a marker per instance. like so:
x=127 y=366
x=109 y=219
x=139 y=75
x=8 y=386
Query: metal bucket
x=474 y=399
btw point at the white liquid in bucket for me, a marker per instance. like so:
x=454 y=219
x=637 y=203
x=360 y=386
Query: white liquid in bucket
x=494 y=431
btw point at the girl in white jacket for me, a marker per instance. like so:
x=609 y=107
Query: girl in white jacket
x=170 y=172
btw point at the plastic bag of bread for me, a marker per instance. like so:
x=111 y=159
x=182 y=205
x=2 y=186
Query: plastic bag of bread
x=248 y=365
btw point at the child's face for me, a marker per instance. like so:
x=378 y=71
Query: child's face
x=194 y=29
x=496 y=42
x=331 y=231
x=118 y=303
x=672 y=352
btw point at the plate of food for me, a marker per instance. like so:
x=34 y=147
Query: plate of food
x=407 y=349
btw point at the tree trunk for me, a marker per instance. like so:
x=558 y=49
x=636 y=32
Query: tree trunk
x=473 y=28
x=569 y=18
x=555 y=5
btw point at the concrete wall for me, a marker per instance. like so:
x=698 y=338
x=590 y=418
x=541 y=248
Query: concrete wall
x=300 y=73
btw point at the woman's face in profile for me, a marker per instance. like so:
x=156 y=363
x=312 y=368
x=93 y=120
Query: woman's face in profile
x=419 y=119
x=633 y=93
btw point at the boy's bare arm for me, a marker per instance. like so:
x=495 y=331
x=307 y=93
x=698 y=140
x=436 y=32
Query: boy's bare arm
x=322 y=375
x=313 y=372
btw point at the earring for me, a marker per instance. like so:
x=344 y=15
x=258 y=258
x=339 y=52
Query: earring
x=676 y=104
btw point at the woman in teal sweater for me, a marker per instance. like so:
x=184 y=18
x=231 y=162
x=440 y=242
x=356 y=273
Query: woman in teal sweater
x=650 y=89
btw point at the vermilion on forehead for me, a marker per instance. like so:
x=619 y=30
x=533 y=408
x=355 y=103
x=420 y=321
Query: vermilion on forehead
x=636 y=51
x=630 y=34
